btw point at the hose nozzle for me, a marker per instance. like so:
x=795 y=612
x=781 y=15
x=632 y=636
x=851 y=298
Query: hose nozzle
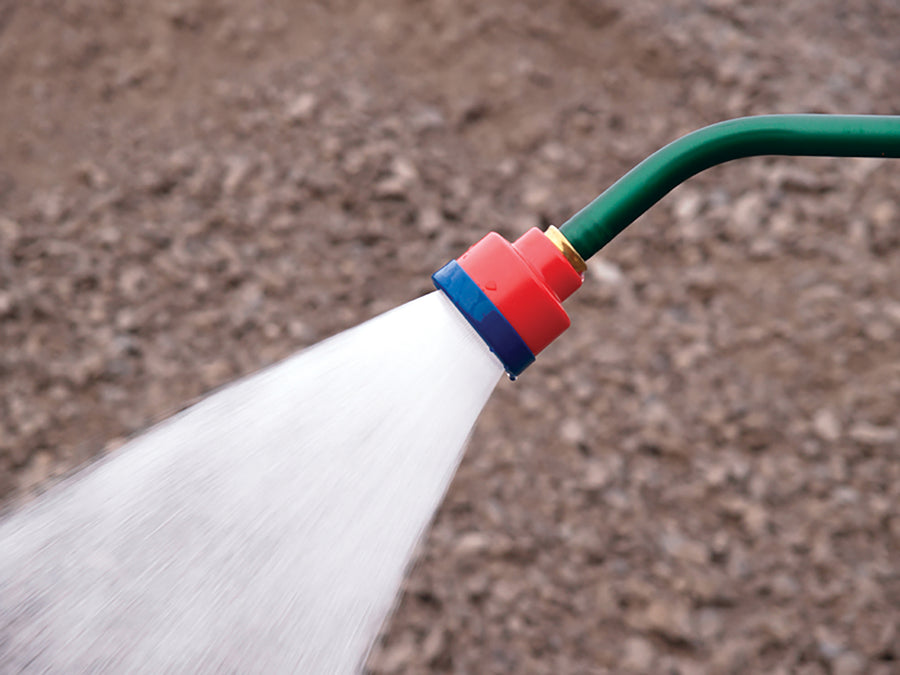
x=512 y=293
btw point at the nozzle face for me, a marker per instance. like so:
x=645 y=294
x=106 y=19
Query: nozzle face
x=484 y=317
x=523 y=284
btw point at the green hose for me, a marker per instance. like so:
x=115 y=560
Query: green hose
x=599 y=222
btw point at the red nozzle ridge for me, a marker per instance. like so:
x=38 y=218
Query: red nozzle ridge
x=527 y=282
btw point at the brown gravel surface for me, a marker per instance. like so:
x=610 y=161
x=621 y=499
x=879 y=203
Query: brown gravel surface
x=701 y=476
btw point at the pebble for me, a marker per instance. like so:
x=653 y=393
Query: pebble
x=871 y=434
x=596 y=476
x=639 y=655
x=471 y=543
x=399 y=182
x=669 y=619
x=301 y=108
x=572 y=431
x=606 y=272
x=826 y=425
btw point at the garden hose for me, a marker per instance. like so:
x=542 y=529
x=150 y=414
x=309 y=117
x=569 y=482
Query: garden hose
x=512 y=293
x=599 y=222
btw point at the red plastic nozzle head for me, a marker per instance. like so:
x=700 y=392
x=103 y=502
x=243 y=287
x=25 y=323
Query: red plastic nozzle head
x=527 y=281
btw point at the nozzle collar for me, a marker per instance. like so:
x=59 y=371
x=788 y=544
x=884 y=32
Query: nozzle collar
x=484 y=317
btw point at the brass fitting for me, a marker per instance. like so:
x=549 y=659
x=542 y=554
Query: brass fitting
x=560 y=241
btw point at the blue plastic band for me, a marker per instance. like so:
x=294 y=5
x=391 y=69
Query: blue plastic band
x=485 y=318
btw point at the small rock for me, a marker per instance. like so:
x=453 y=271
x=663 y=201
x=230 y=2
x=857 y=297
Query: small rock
x=508 y=167
x=472 y=543
x=845 y=495
x=703 y=281
x=678 y=547
x=554 y=152
x=884 y=214
x=752 y=514
x=236 y=171
x=670 y=620
x=50 y=206
x=429 y=220
x=764 y=248
x=477 y=585
x=606 y=272
x=427 y=118
x=300 y=330
x=301 y=109
x=870 y=434
x=747 y=213
x=10 y=232
x=434 y=645
x=596 y=476
x=537 y=197
x=398 y=184
x=710 y=624
x=891 y=308
x=828 y=643
x=655 y=413
x=777 y=629
x=639 y=655
x=687 y=205
x=848 y=663
x=797 y=179
x=131 y=281
x=572 y=431
x=7 y=303
x=879 y=331
x=215 y=373
x=826 y=426
x=784 y=587
x=505 y=591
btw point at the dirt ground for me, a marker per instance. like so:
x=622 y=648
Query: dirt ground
x=701 y=476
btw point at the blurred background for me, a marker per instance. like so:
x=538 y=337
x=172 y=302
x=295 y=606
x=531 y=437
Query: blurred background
x=701 y=476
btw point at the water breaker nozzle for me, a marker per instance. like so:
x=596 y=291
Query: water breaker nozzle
x=512 y=294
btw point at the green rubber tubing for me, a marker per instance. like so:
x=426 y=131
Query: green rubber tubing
x=599 y=222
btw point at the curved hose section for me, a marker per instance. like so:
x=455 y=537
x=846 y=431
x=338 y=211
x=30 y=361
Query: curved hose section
x=599 y=222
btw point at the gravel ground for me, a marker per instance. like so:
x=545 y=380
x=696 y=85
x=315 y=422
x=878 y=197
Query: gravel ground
x=701 y=476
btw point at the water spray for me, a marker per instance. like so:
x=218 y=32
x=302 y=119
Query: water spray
x=512 y=294
x=267 y=528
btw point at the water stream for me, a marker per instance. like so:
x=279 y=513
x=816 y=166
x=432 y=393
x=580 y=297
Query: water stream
x=264 y=530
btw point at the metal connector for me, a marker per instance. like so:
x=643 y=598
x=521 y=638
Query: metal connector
x=559 y=240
